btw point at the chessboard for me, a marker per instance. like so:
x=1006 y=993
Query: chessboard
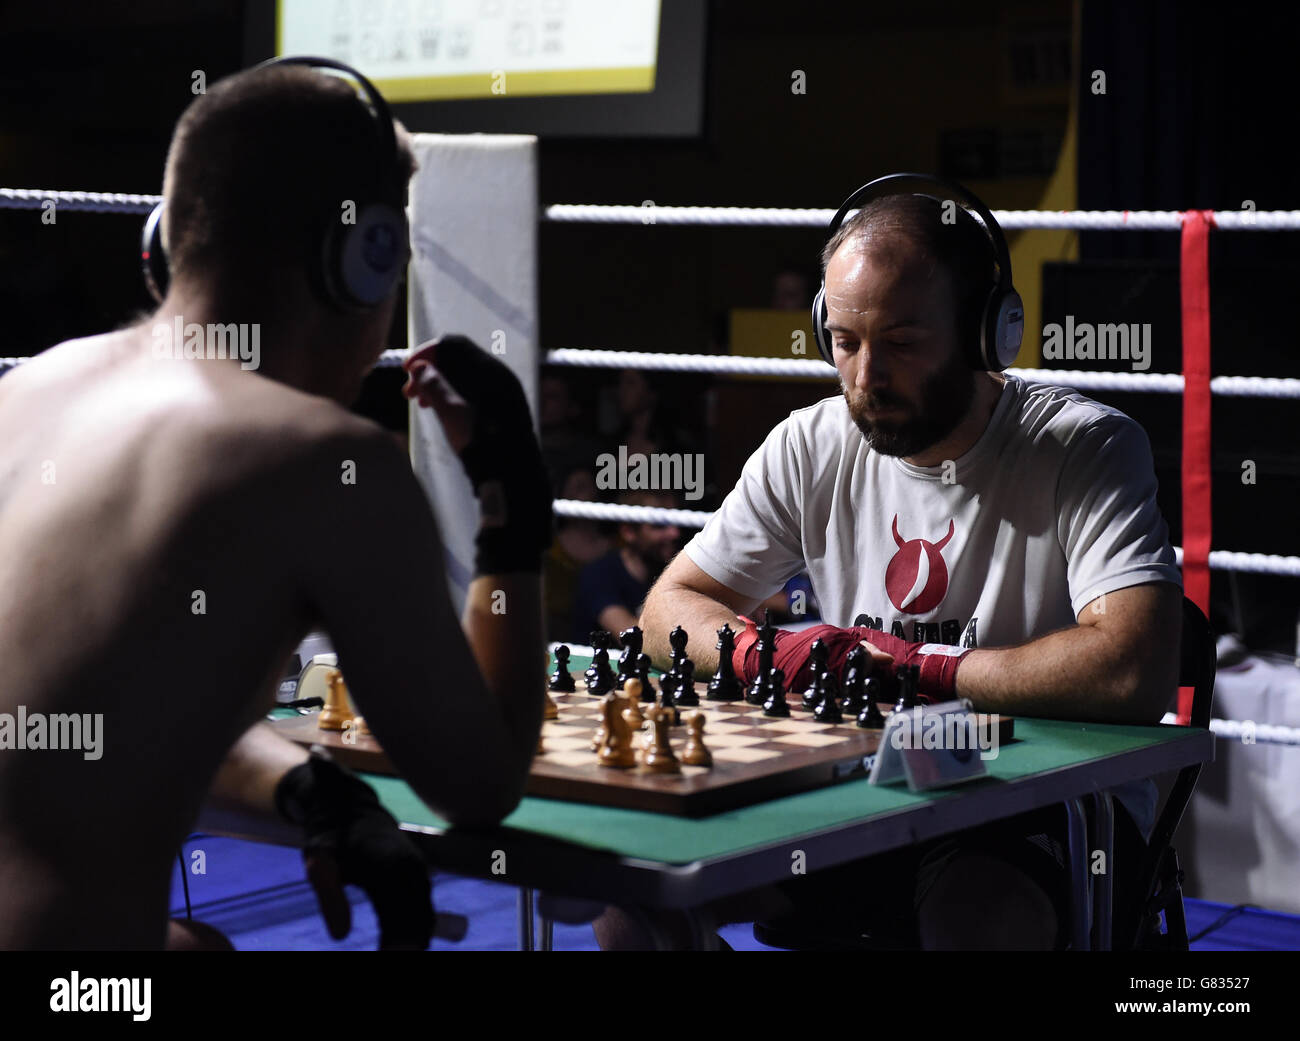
x=755 y=757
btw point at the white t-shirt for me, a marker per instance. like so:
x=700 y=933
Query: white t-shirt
x=1052 y=507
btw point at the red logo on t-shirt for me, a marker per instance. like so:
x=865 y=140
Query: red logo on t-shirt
x=917 y=578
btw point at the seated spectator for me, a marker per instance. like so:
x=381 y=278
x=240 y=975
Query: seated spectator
x=568 y=442
x=611 y=589
x=577 y=543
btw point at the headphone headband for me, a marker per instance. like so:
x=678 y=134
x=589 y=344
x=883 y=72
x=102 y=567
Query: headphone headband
x=378 y=106
x=361 y=262
x=915 y=184
x=1002 y=321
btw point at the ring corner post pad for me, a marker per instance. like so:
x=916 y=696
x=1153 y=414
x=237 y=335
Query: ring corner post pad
x=473 y=219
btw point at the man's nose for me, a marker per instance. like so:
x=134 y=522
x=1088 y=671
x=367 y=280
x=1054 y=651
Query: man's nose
x=872 y=371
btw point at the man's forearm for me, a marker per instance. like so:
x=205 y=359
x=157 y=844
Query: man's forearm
x=1076 y=673
x=701 y=617
x=247 y=777
x=503 y=625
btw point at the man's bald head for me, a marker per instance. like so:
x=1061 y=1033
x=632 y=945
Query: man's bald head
x=907 y=231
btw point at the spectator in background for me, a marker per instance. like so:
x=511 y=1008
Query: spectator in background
x=567 y=442
x=577 y=543
x=611 y=589
x=792 y=289
x=636 y=414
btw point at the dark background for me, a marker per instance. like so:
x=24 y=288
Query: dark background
x=1199 y=113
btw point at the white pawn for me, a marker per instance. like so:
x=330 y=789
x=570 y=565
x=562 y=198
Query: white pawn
x=695 y=754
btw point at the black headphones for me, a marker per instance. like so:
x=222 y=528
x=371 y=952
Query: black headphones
x=362 y=262
x=1002 y=323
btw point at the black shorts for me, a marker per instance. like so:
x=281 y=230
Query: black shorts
x=878 y=897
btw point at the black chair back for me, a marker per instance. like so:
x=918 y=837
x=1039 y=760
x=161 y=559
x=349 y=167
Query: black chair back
x=1197 y=667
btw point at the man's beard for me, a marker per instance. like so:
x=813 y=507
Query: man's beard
x=945 y=398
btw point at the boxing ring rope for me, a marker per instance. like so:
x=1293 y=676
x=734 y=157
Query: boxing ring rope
x=798 y=368
x=650 y=212
x=741 y=216
x=1220 y=560
x=1248 y=731
x=734 y=216
x=77 y=202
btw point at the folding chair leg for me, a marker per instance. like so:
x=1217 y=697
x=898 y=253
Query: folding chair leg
x=1175 y=915
x=1080 y=894
x=1103 y=884
x=526 y=919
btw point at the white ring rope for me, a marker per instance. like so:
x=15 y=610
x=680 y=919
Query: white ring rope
x=1254 y=563
x=1137 y=382
x=84 y=202
x=800 y=368
x=1011 y=220
x=1220 y=560
x=605 y=511
x=1259 y=733
x=737 y=216
x=1137 y=220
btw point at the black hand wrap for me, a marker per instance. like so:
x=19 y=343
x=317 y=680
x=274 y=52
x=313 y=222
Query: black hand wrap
x=342 y=818
x=503 y=459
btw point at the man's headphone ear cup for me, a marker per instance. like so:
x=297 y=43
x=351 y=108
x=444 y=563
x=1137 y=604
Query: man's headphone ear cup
x=363 y=262
x=153 y=258
x=821 y=335
x=1004 y=328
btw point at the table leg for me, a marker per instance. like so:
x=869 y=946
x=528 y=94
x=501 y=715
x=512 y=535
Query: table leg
x=1103 y=884
x=526 y=919
x=1077 y=832
x=548 y=934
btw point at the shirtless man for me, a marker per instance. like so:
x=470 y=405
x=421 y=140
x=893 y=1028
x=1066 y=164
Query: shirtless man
x=171 y=527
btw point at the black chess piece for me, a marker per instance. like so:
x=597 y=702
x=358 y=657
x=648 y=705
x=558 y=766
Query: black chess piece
x=724 y=686
x=828 y=705
x=761 y=689
x=766 y=644
x=870 y=718
x=668 y=681
x=855 y=677
x=561 y=679
x=677 y=640
x=599 y=675
x=632 y=639
x=643 y=674
x=684 y=687
x=667 y=704
x=776 y=705
x=906 y=680
x=817 y=659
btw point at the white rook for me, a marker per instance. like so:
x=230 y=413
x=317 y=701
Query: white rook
x=474 y=272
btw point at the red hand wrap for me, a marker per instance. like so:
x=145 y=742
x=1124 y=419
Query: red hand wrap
x=938 y=662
